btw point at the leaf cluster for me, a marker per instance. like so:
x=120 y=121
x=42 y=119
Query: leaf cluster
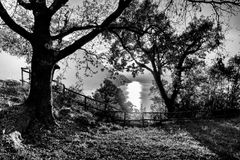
x=155 y=45
x=110 y=93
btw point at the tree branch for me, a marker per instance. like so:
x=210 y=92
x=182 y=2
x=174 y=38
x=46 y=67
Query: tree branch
x=73 y=29
x=228 y=6
x=128 y=28
x=122 y=4
x=88 y=37
x=12 y=24
x=168 y=6
x=130 y=53
x=56 y=5
x=25 y=5
x=219 y=2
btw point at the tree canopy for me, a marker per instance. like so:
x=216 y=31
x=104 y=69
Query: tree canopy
x=158 y=48
x=111 y=94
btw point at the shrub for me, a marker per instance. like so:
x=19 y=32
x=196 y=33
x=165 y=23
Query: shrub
x=62 y=113
x=85 y=119
x=12 y=83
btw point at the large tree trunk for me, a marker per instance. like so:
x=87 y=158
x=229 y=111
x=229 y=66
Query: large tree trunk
x=37 y=109
x=169 y=102
x=39 y=102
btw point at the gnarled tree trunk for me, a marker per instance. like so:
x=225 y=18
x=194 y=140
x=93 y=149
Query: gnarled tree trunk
x=39 y=102
x=170 y=101
x=38 y=106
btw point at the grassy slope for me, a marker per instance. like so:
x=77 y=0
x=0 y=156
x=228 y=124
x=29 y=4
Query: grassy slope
x=191 y=140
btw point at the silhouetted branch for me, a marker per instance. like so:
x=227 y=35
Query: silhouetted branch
x=88 y=37
x=56 y=5
x=218 y=2
x=73 y=29
x=12 y=24
x=25 y=5
x=130 y=53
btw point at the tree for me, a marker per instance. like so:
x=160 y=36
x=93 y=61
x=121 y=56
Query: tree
x=157 y=102
x=194 y=96
x=111 y=94
x=45 y=54
x=228 y=77
x=159 y=49
x=213 y=90
x=45 y=38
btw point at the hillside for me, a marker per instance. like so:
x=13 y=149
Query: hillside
x=81 y=136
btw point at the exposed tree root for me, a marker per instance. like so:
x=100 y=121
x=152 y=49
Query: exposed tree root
x=15 y=118
x=22 y=120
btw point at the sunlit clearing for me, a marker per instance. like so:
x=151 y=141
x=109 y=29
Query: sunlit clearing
x=134 y=90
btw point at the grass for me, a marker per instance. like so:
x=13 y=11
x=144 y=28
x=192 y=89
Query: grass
x=71 y=142
x=220 y=136
x=219 y=139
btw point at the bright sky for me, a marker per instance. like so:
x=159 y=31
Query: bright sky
x=10 y=66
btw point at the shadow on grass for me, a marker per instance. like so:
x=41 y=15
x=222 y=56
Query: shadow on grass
x=221 y=137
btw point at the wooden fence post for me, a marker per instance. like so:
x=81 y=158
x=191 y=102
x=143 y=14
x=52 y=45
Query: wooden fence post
x=124 y=117
x=142 y=119
x=64 y=89
x=85 y=103
x=22 y=76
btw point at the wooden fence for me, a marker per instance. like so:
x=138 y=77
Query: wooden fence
x=87 y=102
x=156 y=118
x=113 y=114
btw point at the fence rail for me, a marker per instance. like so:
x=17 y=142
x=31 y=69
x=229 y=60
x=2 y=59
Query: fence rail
x=113 y=114
x=86 y=101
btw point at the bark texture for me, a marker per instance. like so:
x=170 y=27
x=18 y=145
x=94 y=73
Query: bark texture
x=38 y=106
x=39 y=102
